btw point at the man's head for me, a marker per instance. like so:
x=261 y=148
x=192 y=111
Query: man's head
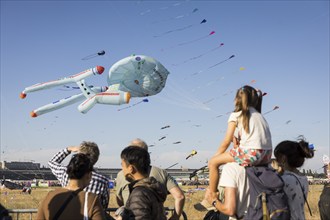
x=91 y=150
x=135 y=161
x=139 y=143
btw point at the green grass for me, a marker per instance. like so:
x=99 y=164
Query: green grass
x=14 y=199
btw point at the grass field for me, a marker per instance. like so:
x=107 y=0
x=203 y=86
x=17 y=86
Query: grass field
x=14 y=199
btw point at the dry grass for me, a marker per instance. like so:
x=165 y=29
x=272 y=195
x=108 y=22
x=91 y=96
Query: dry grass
x=14 y=199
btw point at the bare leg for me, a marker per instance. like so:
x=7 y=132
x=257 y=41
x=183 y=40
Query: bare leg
x=214 y=165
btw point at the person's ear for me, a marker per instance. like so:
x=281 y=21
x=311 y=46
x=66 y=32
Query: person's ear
x=133 y=169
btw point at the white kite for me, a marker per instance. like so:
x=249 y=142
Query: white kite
x=133 y=76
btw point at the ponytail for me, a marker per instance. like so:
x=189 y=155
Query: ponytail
x=246 y=97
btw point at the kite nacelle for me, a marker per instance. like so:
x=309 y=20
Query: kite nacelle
x=109 y=98
x=22 y=95
x=71 y=79
x=84 y=74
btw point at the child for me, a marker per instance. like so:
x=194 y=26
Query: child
x=252 y=143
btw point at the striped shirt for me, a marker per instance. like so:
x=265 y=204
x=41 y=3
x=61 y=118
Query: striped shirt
x=97 y=185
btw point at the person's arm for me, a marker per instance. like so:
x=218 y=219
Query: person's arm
x=105 y=197
x=229 y=205
x=179 y=200
x=99 y=186
x=121 y=188
x=119 y=201
x=228 y=138
x=55 y=163
x=179 y=197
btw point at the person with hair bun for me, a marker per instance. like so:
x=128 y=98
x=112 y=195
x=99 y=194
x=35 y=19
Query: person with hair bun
x=291 y=155
x=71 y=202
x=98 y=183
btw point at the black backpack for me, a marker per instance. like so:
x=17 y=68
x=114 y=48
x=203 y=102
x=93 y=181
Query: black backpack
x=268 y=200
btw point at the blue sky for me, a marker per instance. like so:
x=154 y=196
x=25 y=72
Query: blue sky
x=282 y=45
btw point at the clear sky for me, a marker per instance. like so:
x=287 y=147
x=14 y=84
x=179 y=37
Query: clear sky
x=281 y=46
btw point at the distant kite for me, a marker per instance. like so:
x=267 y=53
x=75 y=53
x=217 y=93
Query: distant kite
x=101 y=53
x=193 y=153
x=200 y=55
x=198 y=39
x=143 y=100
x=161 y=138
x=275 y=107
x=216 y=81
x=171 y=166
x=287 y=122
x=210 y=67
x=198 y=171
x=176 y=17
x=192 y=41
x=180 y=29
x=167 y=126
x=177 y=142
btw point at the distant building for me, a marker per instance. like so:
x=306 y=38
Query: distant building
x=16 y=165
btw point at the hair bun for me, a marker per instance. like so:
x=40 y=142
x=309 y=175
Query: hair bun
x=306 y=151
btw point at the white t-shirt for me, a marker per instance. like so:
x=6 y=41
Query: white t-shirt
x=233 y=175
x=259 y=136
x=295 y=193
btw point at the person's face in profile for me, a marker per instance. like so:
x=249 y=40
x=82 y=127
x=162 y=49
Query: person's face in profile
x=127 y=170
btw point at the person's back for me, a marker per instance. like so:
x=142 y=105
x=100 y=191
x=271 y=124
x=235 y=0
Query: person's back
x=234 y=187
x=324 y=201
x=233 y=175
x=98 y=183
x=149 y=194
x=296 y=189
x=75 y=208
x=71 y=202
x=291 y=155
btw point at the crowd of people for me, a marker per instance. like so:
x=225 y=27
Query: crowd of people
x=142 y=189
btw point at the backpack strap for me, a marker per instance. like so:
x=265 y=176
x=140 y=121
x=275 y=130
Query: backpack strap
x=66 y=202
x=302 y=190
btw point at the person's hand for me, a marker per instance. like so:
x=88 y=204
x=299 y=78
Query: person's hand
x=211 y=196
x=235 y=142
x=118 y=217
x=74 y=149
x=174 y=217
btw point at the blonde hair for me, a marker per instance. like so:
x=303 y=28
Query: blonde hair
x=246 y=97
x=91 y=150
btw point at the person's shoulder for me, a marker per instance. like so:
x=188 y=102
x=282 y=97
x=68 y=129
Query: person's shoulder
x=99 y=177
x=233 y=167
x=291 y=176
x=91 y=195
x=155 y=169
x=57 y=192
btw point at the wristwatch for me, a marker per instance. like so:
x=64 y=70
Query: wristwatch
x=214 y=203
